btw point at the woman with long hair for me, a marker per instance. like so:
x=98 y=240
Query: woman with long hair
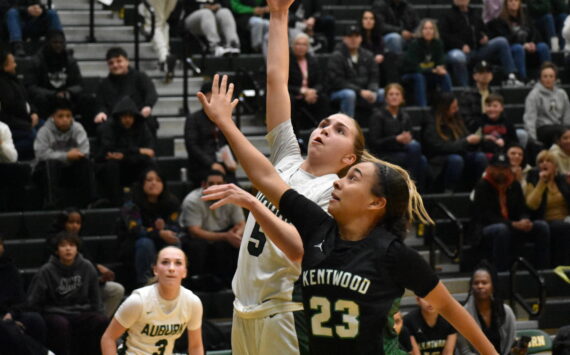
x=524 y=39
x=155 y=316
x=450 y=148
x=424 y=62
x=354 y=263
x=391 y=138
x=150 y=221
x=485 y=305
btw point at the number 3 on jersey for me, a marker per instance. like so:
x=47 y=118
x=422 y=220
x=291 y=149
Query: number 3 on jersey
x=257 y=241
x=350 y=313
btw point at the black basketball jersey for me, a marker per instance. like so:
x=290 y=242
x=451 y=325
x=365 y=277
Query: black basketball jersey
x=430 y=340
x=349 y=287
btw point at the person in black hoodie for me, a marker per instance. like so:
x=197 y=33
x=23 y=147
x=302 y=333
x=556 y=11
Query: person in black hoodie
x=126 y=149
x=54 y=75
x=309 y=102
x=15 y=108
x=502 y=214
x=30 y=19
x=66 y=290
x=21 y=330
x=497 y=131
x=400 y=21
x=465 y=38
x=524 y=39
x=125 y=81
x=353 y=74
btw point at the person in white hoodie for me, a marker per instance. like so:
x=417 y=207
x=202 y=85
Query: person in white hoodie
x=8 y=152
x=62 y=152
x=547 y=108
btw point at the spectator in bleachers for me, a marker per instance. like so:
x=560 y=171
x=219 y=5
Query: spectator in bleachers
x=561 y=149
x=424 y=63
x=432 y=334
x=514 y=25
x=519 y=166
x=452 y=151
x=566 y=35
x=484 y=303
x=547 y=194
x=213 y=237
x=353 y=74
x=20 y=328
x=549 y=17
x=54 y=75
x=491 y=9
x=399 y=20
x=15 y=108
x=150 y=221
x=497 y=130
x=504 y=220
x=372 y=39
x=206 y=146
x=465 y=37
x=66 y=291
x=215 y=22
x=391 y=139
x=309 y=101
x=8 y=152
x=308 y=16
x=472 y=99
x=251 y=17
x=62 y=150
x=546 y=108
x=161 y=40
x=30 y=20
x=561 y=343
x=125 y=81
x=70 y=220
x=126 y=149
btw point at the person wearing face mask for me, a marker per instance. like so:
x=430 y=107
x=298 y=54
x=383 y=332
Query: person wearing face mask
x=561 y=149
x=546 y=107
x=504 y=220
x=547 y=195
x=54 y=74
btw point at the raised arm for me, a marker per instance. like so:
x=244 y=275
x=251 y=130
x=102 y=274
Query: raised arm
x=459 y=318
x=258 y=168
x=278 y=100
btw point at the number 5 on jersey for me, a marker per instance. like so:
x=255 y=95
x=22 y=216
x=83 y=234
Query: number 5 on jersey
x=257 y=241
x=350 y=314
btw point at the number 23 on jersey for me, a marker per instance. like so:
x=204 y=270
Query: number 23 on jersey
x=349 y=311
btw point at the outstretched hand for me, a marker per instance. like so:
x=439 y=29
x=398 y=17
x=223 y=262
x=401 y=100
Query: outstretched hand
x=220 y=106
x=228 y=193
x=279 y=5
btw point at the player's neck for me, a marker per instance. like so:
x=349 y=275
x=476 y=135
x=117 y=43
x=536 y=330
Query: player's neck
x=356 y=227
x=168 y=293
x=430 y=318
x=317 y=168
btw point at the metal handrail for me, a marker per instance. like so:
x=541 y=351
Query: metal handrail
x=91 y=37
x=434 y=241
x=515 y=296
x=136 y=28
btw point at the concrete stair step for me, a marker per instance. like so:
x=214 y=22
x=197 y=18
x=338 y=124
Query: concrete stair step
x=171 y=106
x=97 y=51
x=175 y=87
x=102 y=34
x=74 y=5
x=81 y=18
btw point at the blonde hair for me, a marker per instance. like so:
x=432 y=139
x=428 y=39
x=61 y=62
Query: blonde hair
x=398 y=87
x=548 y=156
x=418 y=32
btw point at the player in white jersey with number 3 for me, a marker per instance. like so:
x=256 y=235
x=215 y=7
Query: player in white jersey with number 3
x=155 y=316
x=268 y=317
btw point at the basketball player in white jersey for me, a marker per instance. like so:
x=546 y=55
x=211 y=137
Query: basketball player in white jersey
x=155 y=316
x=267 y=313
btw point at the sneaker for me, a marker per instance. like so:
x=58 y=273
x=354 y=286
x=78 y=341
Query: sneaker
x=219 y=51
x=233 y=48
x=512 y=81
x=554 y=45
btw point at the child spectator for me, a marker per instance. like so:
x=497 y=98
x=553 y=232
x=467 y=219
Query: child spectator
x=561 y=149
x=546 y=107
x=29 y=20
x=15 y=108
x=66 y=290
x=70 y=220
x=497 y=131
x=127 y=149
x=524 y=39
x=424 y=63
x=431 y=333
x=149 y=222
x=213 y=237
x=62 y=149
x=54 y=75
x=125 y=81
x=452 y=151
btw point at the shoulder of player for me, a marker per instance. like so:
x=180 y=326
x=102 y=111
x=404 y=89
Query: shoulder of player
x=189 y=295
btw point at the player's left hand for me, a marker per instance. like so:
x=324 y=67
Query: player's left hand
x=228 y=193
x=220 y=106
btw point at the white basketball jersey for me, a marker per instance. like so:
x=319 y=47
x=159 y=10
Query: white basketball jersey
x=155 y=331
x=263 y=282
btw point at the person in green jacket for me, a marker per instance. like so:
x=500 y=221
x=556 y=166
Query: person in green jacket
x=424 y=62
x=549 y=17
x=252 y=16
